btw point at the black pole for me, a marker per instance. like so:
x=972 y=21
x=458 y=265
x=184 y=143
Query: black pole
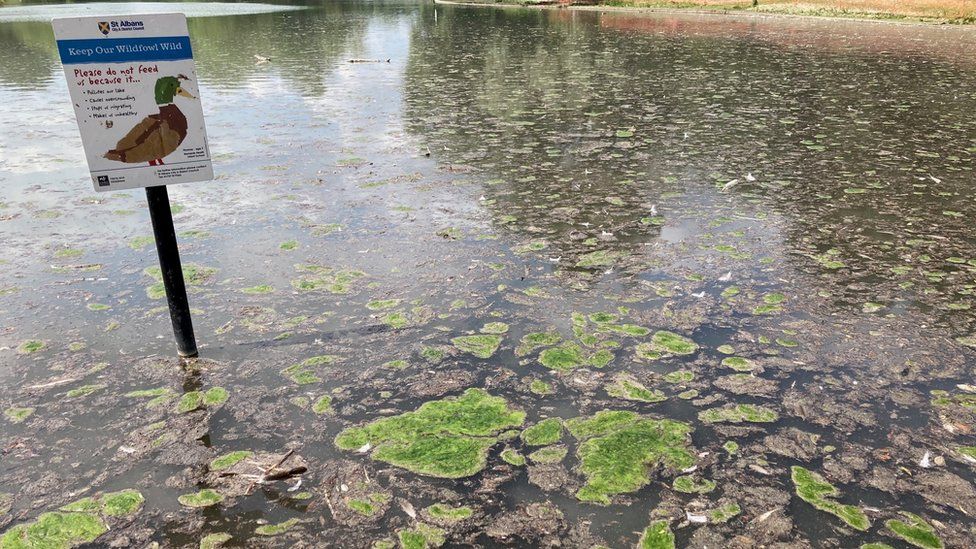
x=172 y=270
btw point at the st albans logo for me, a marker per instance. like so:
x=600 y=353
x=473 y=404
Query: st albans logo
x=121 y=25
x=103 y=27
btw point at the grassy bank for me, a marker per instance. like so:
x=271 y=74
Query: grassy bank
x=948 y=11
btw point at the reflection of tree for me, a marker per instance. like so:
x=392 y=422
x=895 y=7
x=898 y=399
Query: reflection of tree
x=303 y=45
x=29 y=54
x=546 y=101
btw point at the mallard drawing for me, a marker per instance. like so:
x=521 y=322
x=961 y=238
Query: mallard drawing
x=157 y=135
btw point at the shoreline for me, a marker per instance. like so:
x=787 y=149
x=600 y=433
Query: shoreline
x=862 y=17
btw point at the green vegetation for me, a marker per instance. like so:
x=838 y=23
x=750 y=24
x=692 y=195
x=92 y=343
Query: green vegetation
x=481 y=345
x=512 y=457
x=361 y=506
x=539 y=387
x=446 y=438
x=259 y=289
x=17 y=415
x=657 y=536
x=213 y=541
x=533 y=341
x=494 y=328
x=813 y=489
x=915 y=531
x=203 y=498
x=74 y=524
x=738 y=413
x=679 y=376
x=275 y=529
x=724 y=513
x=547 y=431
x=421 y=536
x=195 y=400
x=738 y=363
x=664 y=343
x=322 y=405
x=381 y=304
x=30 y=346
x=549 y=454
x=303 y=373
x=626 y=387
x=688 y=484
x=617 y=448
x=448 y=513
x=84 y=390
x=599 y=258
x=324 y=278
x=229 y=460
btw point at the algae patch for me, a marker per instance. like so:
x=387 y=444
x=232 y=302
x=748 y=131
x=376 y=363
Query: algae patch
x=617 y=449
x=657 y=536
x=446 y=438
x=915 y=531
x=813 y=489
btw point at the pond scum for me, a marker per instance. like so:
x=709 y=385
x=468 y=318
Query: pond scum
x=539 y=281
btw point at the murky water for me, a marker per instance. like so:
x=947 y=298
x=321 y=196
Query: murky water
x=797 y=193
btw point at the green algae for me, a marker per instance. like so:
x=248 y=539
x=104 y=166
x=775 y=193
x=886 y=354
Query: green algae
x=598 y=258
x=398 y=364
x=55 y=530
x=657 y=535
x=381 y=304
x=915 y=531
x=731 y=447
x=432 y=354
x=325 y=279
x=494 y=328
x=617 y=448
x=396 y=320
x=362 y=507
x=547 y=431
x=213 y=541
x=539 y=387
x=626 y=387
x=876 y=545
x=303 y=373
x=664 y=343
x=30 y=346
x=549 y=454
x=679 y=376
x=84 y=390
x=288 y=245
x=567 y=356
x=98 y=307
x=815 y=490
x=451 y=514
x=688 y=395
x=446 y=438
x=119 y=504
x=322 y=405
x=725 y=349
x=480 y=345
x=258 y=290
x=195 y=400
x=74 y=524
x=421 y=536
x=203 y=498
x=688 y=484
x=724 y=513
x=738 y=363
x=16 y=415
x=738 y=413
x=139 y=242
x=512 y=457
x=229 y=460
x=275 y=529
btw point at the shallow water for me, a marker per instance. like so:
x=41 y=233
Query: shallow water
x=519 y=166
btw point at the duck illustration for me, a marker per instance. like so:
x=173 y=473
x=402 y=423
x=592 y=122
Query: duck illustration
x=157 y=135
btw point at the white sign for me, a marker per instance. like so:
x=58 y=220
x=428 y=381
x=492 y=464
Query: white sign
x=133 y=84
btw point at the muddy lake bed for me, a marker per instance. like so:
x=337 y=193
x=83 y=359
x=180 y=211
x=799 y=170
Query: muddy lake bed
x=503 y=277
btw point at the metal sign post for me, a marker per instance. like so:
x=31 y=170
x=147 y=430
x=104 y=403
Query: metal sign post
x=132 y=83
x=172 y=270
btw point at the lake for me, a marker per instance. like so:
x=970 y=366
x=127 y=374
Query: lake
x=486 y=276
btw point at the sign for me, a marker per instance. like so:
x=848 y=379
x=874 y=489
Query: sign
x=133 y=84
